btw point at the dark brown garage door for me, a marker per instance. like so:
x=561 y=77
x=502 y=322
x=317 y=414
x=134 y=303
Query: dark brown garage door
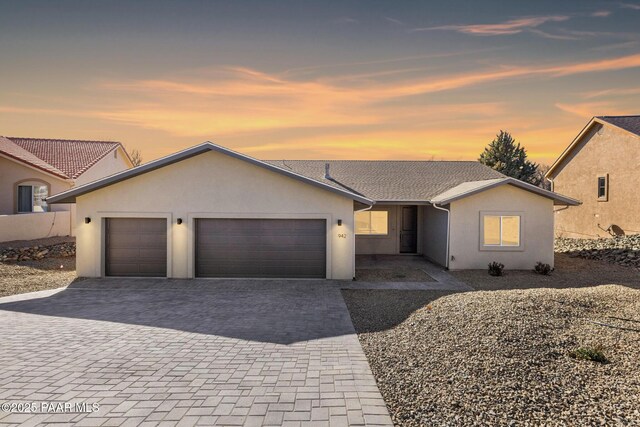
x=282 y=248
x=136 y=247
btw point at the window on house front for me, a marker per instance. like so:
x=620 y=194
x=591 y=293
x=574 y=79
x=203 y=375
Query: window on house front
x=31 y=198
x=603 y=184
x=372 y=223
x=501 y=230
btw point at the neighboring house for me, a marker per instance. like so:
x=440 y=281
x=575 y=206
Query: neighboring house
x=601 y=167
x=32 y=169
x=208 y=211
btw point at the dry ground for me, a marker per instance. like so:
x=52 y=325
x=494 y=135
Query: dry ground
x=397 y=274
x=569 y=273
x=29 y=276
x=501 y=356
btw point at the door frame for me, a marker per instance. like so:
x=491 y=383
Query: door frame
x=400 y=214
x=191 y=243
x=102 y=253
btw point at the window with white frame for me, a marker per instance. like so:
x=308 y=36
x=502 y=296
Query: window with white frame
x=501 y=231
x=372 y=223
x=31 y=197
x=603 y=188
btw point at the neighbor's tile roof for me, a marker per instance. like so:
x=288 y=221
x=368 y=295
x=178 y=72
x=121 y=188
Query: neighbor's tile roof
x=628 y=123
x=10 y=149
x=69 y=158
x=391 y=180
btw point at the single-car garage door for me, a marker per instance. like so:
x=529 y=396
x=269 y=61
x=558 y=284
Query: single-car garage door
x=281 y=248
x=136 y=247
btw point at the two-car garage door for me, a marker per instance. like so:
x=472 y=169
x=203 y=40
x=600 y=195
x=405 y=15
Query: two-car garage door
x=283 y=248
x=270 y=248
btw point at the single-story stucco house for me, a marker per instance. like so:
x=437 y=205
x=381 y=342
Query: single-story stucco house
x=208 y=211
x=31 y=169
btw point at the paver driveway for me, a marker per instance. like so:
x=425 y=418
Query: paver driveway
x=188 y=352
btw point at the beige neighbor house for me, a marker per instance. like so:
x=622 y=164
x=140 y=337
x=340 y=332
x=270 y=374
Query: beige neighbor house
x=208 y=211
x=33 y=169
x=601 y=167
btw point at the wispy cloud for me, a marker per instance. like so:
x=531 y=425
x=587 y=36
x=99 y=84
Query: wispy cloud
x=345 y=20
x=512 y=26
x=394 y=21
x=601 y=13
x=611 y=92
x=634 y=6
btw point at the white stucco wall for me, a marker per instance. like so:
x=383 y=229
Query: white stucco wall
x=34 y=225
x=537 y=229
x=211 y=185
x=12 y=173
x=108 y=165
x=388 y=244
x=433 y=229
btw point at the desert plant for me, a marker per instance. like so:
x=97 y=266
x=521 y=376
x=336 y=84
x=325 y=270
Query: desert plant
x=594 y=354
x=542 y=268
x=495 y=269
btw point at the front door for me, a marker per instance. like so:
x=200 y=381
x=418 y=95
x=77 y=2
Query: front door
x=409 y=230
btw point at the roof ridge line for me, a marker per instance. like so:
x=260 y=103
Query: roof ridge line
x=64 y=140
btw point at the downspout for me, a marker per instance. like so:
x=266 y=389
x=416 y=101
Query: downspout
x=448 y=230
x=368 y=208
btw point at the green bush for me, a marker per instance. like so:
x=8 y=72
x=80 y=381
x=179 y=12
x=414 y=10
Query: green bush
x=594 y=354
x=495 y=268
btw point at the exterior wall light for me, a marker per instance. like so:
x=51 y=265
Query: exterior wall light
x=340 y=222
x=179 y=221
x=87 y=220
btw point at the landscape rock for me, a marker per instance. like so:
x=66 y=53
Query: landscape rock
x=58 y=250
x=621 y=250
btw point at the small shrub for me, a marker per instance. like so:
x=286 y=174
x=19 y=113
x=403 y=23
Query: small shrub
x=544 y=269
x=495 y=269
x=594 y=354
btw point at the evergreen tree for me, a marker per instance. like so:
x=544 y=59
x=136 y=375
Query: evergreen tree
x=508 y=157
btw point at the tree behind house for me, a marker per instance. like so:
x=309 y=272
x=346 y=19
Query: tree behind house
x=136 y=157
x=508 y=157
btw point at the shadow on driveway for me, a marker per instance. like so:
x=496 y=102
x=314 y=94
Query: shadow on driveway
x=281 y=312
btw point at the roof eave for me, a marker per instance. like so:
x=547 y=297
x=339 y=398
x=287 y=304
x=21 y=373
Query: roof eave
x=558 y=199
x=69 y=196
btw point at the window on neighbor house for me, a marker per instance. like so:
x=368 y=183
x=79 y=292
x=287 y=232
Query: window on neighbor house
x=31 y=198
x=372 y=223
x=603 y=190
x=501 y=230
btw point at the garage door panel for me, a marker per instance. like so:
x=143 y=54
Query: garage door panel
x=136 y=247
x=261 y=248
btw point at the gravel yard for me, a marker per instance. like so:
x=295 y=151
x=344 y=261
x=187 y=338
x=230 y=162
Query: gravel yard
x=29 y=276
x=503 y=357
x=570 y=272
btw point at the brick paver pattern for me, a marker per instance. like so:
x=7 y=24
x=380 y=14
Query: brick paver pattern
x=171 y=352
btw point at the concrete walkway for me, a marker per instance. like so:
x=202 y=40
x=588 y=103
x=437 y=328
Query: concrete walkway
x=190 y=352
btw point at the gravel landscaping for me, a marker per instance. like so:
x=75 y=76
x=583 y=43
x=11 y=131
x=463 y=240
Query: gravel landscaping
x=621 y=250
x=36 y=275
x=569 y=272
x=503 y=357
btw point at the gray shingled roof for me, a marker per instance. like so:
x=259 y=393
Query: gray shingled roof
x=628 y=123
x=392 y=180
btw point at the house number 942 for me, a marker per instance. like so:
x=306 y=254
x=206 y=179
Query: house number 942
x=342 y=235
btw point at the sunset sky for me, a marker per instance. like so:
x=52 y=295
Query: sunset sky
x=314 y=80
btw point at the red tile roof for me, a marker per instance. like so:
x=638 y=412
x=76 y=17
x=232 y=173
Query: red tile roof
x=61 y=157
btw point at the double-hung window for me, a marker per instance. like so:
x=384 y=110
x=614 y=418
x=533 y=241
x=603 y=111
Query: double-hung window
x=31 y=197
x=501 y=231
